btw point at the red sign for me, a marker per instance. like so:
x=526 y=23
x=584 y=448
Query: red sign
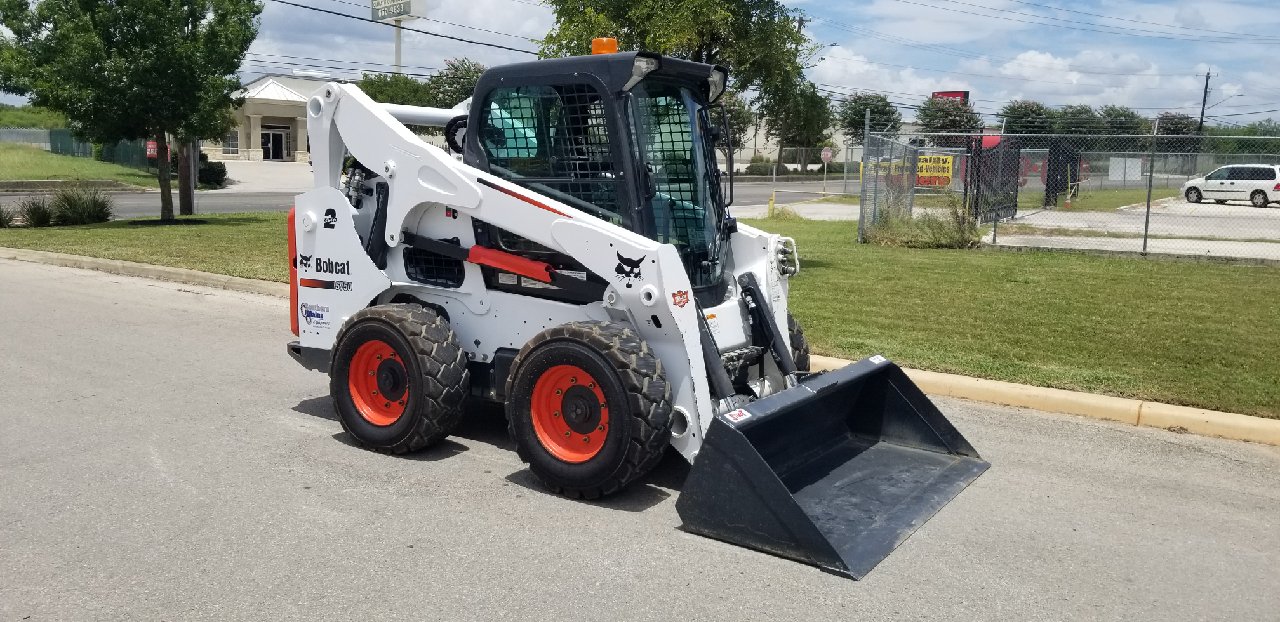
x=151 y=148
x=826 y=154
x=960 y=95
x=680 y=298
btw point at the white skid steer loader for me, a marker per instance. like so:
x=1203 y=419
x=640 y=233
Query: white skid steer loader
x=578 y=263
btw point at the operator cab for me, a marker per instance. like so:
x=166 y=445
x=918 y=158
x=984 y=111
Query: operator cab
x=628 y=137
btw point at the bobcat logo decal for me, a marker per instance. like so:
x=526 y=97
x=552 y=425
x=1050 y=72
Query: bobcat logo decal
x=304 y=262
x=628 y=270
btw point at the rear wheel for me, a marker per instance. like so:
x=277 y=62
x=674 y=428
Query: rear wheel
x=1259 y=198
x=1193 y=195
x=799 y=345
x=399 y=378
x=588 y=408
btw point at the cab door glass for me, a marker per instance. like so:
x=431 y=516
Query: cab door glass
x=1217 y=175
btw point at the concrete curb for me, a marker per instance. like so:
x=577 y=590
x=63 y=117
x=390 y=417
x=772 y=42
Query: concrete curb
x=162 y=273
x=1134 y=412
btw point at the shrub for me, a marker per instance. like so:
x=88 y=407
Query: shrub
x=75 y=206
x=954 y=229
x=212 y=174
x=7 y=216
x=759 y=168
x=35 y=212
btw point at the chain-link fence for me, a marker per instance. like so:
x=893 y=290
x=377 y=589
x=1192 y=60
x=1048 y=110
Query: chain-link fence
x=1209 y=195
x=132 y=153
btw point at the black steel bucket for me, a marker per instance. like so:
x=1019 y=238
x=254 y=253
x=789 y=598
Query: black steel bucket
x=835 y=472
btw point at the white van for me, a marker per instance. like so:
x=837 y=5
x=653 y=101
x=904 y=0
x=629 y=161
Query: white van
x=1259 y=184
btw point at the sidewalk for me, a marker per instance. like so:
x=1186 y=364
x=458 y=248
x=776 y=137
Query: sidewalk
x=1163 y=246
x=259 y=177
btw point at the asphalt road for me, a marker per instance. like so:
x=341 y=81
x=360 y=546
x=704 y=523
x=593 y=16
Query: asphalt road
x=162 y=458
x=141 y=204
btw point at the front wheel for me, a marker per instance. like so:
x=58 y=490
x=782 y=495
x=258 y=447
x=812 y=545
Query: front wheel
x=1259 y=198
x=588 y=408
x=1193 y=195
x=399 y=378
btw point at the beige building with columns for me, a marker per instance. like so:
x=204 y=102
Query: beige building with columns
x=272 y=123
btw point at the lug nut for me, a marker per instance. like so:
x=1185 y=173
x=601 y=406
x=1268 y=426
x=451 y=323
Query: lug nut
x=558 y=391
x=555 y=414
x=402 y=402
x=387 y=405
x=600 y=428
x=591 y=385
x=566 y=435
x=379 y=357
x=375 y=392
x=573 y=380
x=586 y=440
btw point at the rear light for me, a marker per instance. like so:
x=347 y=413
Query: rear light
x=1277 y=188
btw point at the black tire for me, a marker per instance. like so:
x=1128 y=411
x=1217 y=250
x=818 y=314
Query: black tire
x=1259 y=199
x=637 y=401
x=432 y=369
x=1220 y=201
x=799 y=345
x=1193 y=195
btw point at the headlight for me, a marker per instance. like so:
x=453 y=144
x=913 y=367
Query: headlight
x=716 y=81
x=643 y=66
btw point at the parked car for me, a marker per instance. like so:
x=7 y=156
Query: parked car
x=1259 y=184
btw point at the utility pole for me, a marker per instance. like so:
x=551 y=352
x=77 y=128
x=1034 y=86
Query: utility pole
x=399 y=32
x=1203 y=101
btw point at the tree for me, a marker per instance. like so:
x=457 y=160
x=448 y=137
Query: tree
x=761 y=40
x=852 y=116
x=446 y=89
x=453 y=84
x=802 y=119
x=1078 y=119
x=130 y=69
x=948 y=115
x=395 y=88
x=1120 y=121
x=738 y=118
x=1176 y=124
x=1024 y=116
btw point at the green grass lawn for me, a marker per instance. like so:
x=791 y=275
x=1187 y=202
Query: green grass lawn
x=1199 y=334
x=244 y=245
x=20 y=162
x=1091 y=200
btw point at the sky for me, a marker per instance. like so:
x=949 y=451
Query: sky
x=1149 y=56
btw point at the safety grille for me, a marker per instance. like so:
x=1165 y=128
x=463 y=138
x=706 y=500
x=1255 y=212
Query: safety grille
x=432 y=268
x=555 y=141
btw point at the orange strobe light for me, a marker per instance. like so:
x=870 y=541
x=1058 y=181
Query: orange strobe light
x=604 y=45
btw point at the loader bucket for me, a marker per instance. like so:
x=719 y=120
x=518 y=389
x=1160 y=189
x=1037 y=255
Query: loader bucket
x=835 y=472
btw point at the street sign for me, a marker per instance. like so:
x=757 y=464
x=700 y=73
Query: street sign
x=826 y=154
x=391 y=9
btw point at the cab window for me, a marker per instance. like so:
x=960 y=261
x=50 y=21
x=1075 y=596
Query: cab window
x=1218 y=175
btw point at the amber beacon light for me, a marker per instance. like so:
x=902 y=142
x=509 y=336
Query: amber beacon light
x=604 y=45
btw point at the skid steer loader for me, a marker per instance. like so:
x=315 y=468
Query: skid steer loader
x=576 y=260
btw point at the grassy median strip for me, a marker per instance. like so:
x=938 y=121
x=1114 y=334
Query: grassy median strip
x=20 y=162
x=1191 y=333
x=245 y=245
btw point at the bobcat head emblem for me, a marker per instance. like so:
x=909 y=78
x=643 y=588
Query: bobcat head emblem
x=628 y=270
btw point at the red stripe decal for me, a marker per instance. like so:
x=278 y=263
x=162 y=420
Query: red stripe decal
x=501 y=260
x=533 y=202
x=315 y=283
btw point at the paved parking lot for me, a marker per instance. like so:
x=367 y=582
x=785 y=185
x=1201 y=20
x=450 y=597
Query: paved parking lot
x=162 y=458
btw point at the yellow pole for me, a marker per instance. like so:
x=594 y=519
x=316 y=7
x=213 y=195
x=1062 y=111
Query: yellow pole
x=771 y=197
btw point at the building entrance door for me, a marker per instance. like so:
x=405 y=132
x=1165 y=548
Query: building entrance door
x=273 y=145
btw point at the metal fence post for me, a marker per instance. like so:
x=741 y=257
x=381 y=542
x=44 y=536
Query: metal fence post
x=1151 y=176
x=862 y=176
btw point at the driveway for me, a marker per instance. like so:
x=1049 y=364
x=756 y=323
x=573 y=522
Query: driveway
x=162 y=458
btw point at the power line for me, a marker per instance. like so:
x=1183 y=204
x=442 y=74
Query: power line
x=336 y=60
x=959 y=52
x=440 y=21
x=993 y=76
x=417 y=30
x=1134 y=21
x=1115 y=30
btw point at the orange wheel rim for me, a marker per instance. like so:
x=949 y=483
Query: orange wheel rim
x=570 y=415
x=379 y=382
